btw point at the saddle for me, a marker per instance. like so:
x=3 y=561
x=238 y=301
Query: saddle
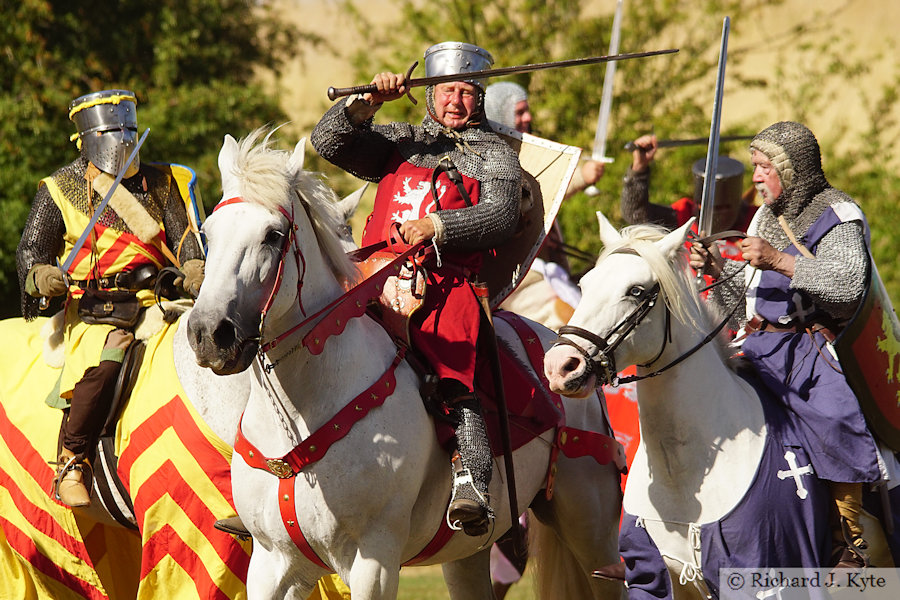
x=532 y=409
x=402 y=295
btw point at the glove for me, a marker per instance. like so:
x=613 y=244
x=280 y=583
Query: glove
x=118 y=339
x=194 y=271
x=46 y=280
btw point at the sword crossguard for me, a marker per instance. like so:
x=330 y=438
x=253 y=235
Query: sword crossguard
x=409 y=87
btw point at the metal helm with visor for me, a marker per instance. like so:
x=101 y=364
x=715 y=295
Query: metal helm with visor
x=107 y=128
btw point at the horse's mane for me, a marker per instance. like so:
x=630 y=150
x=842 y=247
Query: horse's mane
x=674 y=278
x=267 y=179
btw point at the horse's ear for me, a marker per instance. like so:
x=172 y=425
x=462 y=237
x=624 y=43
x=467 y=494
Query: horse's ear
x=608 y=234
x=350 y=203
x=295 y=163
x=674 y=241
x=226 y=160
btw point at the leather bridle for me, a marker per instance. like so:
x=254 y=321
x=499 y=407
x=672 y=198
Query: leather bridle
x=601 y=362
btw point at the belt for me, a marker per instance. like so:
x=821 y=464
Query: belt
x=758 y=323
x=142 y=278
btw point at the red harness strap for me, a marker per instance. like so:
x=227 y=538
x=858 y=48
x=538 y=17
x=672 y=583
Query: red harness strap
x=574 y=443
x=313 y=448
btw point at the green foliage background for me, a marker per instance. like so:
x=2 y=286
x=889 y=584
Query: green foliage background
x=671 y=95
x=195 y=67
x=192 y=64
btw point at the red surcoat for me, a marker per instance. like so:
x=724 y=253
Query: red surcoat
x=445 y=328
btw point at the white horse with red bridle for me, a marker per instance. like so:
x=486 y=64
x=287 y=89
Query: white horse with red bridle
x=337 y=467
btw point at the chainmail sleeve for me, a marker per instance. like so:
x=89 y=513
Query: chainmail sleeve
x=493 y=220
x=635 y=205
x=836 y=278
x=363 y=150
x=41 y=243
x=176 y=222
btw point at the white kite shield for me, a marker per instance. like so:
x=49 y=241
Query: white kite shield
x=547 y=169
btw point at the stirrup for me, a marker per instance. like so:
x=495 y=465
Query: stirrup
x=467 y=499
x=853 y=554
x=75 y=463
x=612 y=572
x=234 y=526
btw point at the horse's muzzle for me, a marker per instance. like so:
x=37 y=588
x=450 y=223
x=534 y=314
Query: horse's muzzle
x=219 y=346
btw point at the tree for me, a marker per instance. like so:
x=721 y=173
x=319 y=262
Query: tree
x=190 y=62
x=670 y=95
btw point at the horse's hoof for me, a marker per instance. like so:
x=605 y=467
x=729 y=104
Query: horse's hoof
x=614 y=572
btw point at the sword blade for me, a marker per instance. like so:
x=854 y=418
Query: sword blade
x=96 y=216
x=334 y=93
x=598 y=151
x=692 y=141
x=712 y=153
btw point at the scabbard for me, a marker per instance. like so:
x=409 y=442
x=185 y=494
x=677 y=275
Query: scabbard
x=490 y=341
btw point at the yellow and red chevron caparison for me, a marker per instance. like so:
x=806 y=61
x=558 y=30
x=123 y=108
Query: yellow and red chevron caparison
x=174 y=467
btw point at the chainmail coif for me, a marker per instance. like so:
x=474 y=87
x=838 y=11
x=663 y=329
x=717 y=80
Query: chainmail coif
x=835 y=280
x=364 y=150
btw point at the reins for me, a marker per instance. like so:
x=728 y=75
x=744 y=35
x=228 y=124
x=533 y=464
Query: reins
x=350 y=304
x=602 y=360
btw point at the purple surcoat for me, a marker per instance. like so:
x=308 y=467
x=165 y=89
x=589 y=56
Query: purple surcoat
x=782 y=520
x=801 y=370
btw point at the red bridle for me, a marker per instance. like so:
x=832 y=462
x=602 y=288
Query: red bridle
x=290 y=242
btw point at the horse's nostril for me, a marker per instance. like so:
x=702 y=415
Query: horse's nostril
x=224 y=335
x=572 y=364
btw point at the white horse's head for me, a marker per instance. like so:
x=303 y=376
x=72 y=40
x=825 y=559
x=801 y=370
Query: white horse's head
x=622 y=317
x=273 y=252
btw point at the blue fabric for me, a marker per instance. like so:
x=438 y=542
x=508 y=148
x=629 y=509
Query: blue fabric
x=806 y=377
x=771 y=526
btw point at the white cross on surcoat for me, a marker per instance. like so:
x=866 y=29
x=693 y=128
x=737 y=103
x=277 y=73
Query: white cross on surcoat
x=796 y=472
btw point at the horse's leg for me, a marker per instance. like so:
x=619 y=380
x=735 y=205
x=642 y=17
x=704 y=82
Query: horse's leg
x=577 y=531
x=268 y=577
x=470 y=578
x=374 y=577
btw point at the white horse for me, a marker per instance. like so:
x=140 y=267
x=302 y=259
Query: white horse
x=709 y=444
x=373 y=499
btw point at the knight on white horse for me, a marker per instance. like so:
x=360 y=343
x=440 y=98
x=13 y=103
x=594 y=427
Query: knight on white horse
x=337 y=465
x=468 y=219
x=722 y=477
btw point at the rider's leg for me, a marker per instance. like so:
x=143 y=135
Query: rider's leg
x=472 y=468
x=848 y=534
x=90 y=403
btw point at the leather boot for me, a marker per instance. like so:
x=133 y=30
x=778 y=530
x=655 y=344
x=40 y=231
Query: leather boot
x=852 y=554
x=69 y=483
x=234 y=526
x=613 y=572
x=850 y=548
x=468 y=507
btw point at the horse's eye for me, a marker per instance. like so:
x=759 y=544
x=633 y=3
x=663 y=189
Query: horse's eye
x=274 y=237
x=636 y=291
